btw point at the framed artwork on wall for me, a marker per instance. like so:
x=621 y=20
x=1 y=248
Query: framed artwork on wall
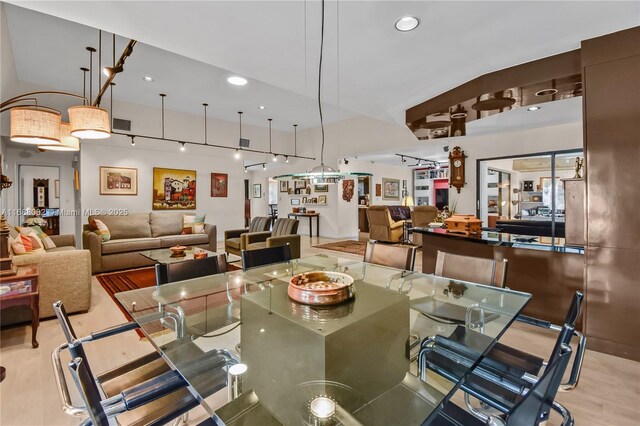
x=299 y=184
x=56 y=188
x=118 y=181
x=378 y=190
x=284 y=186
x=257 y=190
x=295 y=201
x=219 y=184
x=322 y=199
x=390 y=189
x=321 y=188
x=174 y=189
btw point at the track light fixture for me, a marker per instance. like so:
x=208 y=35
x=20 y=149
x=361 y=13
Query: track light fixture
x=248 y=166
x=237 y=154
x=275 y=158
x=346 y=161
x=286 y=158
x=421 y=161
x=133 y=141
x=264 y=166
x=182 y=147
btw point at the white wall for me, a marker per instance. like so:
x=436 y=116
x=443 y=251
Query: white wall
x=57 y=159
x=380 y=171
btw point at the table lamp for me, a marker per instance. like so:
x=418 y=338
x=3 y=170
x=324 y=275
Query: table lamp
x=407 y=201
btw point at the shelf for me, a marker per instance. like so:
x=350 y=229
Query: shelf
x=315 y=204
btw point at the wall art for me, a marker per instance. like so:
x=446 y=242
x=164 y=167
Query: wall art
x=174 y=189
x=118 y=181
x=219 y=184
x=390 y=189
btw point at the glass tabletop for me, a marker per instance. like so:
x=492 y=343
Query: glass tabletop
x=165 y=255
x=356 y=352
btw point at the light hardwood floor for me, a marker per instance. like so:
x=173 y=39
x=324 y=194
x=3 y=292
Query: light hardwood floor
x=608 y=392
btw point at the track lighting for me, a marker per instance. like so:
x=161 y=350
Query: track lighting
x=437 y=166
x=237 y=154
x=275 y=158
x=133 y=141
x=346 y=161
x=182 y=147
x=264 y=166
x=286 y=158
x=246 y=170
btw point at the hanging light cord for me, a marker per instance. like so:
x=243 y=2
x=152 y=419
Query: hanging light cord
x=320 y=85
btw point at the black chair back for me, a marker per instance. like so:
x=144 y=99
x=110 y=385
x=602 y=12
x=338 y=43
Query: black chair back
x=265 y=256
x=535 y=406
x=88 y=391
x=189 y=269
x=574 y=309
x=75 y=346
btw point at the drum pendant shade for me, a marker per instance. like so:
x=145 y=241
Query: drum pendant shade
x=89 y=122
x=67 y=142
x=35 y=126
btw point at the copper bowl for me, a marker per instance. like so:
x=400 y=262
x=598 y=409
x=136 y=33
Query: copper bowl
x=327 y=288
x=200 y=255
x=178 y=250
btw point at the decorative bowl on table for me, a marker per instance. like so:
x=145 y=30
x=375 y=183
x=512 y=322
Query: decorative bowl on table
x=199 y=254
x=321 y=288
x=178 y=251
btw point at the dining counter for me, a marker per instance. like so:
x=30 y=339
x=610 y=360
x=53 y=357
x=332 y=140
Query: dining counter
x=543 y=266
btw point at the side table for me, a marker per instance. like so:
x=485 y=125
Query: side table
x=22 y=290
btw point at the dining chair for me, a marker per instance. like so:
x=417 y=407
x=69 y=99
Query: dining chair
x=189 y=269
x=474 y=269
x=395 y=256
x=265 y=256
x=514 y=371
x=532 y=409
x=142 y=391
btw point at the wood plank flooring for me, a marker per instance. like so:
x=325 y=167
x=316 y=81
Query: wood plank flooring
x=608 y=392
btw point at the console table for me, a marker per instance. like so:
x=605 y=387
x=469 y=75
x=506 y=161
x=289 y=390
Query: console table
x=21 y=289
x=310 y=216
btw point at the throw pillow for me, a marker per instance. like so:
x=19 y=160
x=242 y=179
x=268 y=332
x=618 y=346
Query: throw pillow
x=192 y=224
x=101 y=229
x=47 y=242
x=27 y=244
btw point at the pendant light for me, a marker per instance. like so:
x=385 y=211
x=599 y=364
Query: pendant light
x=89 y=122
x=33 y=125
x=67 y=142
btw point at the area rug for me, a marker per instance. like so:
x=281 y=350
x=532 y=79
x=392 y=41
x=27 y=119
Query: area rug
x=133 y=279
x=348 y=246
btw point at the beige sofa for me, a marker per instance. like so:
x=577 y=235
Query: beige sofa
x=64 y=274
x=138 y=232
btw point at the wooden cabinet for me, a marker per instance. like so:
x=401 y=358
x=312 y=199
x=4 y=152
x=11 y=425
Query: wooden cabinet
x=363 y=220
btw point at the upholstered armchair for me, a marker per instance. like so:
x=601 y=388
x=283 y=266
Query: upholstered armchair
x=382 y=227
x=284 y=231
x=232 y=237
x=422 y=216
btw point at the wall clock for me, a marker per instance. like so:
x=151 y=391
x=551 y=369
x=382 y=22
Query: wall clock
x=456 y=168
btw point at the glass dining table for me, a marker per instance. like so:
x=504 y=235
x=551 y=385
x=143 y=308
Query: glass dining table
x=356 y=355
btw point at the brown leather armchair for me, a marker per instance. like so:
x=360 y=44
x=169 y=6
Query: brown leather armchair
x=422 y=216
x=382 y=227
x=284 y=231
x=232 y=236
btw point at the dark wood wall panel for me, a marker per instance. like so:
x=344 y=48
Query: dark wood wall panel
x=611 y=76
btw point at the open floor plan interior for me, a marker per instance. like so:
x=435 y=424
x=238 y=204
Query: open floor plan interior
x=319 y=212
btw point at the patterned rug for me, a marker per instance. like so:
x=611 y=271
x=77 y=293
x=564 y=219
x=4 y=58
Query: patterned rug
x=349 y=246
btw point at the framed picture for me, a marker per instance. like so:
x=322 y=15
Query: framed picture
x=219 y=184
x=284 y=186
x=378 y=190
x=390 y=189
x=322 y=199
x=257 y=190
x=56 y=188
x=299 y=184
x=304 y=200
x=295 y=201
x=118 y=181
x=174 y=189
x=321 y=188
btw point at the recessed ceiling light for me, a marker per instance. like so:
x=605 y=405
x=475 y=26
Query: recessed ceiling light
x=237 y=81
x=147 y=78
x=407 y=23
x=261 y=107
x=533 y=108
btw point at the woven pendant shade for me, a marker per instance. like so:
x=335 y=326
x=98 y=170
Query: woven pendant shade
x=88 y=122
x=35 y=126
x=67 y=142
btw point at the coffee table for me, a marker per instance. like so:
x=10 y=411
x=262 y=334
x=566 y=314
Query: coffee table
x=165 y=256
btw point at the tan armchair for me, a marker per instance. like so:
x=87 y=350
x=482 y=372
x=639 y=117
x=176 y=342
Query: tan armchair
x=232 y=236
x=382 y=227
x=422 y=216
x=284 y=231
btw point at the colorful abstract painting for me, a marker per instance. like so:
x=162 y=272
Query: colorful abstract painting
x=219 y=184
x=174 y=189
